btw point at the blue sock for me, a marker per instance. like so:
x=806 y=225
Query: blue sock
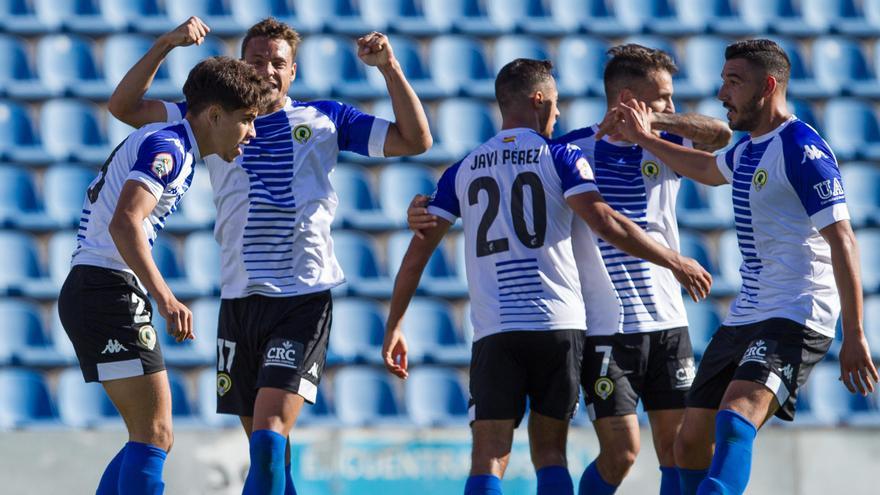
x=483 y=484
x=669 y=481
x=289 y=489
x=732 y=462
x=109 y=484
x=266 y=474
x=140 y=472
x=690 y=479
x=554 y=480
x=593 y=484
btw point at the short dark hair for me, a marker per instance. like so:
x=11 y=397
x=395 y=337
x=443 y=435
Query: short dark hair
x=632 y=61
x=763 y=53
x=520 y=78
x=227 y=82
x=273 y=29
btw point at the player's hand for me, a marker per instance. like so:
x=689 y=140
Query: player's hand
x=394 y=353
x=179 y=319
x=693 y=277
x=857 y=371
x=609 y=124
x=417 y=216
x=375 y=50
x=192 y=31
x=634 y=120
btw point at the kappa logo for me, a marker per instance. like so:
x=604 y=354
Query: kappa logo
x=756 y=353
x=787 y=371
x=314 y=370
x=829 y=189
x=811 y=152
x=113 y=346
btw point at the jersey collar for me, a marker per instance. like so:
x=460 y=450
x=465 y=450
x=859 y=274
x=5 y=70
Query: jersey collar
x=774 y=132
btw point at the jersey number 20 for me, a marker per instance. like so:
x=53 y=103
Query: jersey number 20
x=485 y=246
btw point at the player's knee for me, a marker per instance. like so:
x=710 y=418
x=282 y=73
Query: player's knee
x=161 y=435
x=549 y=455
x=618 y=462
x=690 y=448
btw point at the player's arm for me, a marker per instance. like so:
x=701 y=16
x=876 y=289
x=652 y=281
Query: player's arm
x=126 y=228
x=411 y=268
x=634 y=124
x=127 y=102
x=706 y=133
x=857 y=371
x=620 y=231
x=409 y=134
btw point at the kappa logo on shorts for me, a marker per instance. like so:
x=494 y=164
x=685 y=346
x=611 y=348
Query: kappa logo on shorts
x=787 y=371
x=147 y=337
x=314 y=370
x=113 y=346
x=284 y=353
x=604 y=387
x=757 y=352
x=224 y=384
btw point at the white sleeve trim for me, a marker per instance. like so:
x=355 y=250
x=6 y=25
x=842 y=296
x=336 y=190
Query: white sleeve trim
x=830 y=215
x=172 y=112
x=378 y=134
x=440 y=212
x=721 y=163
x=581 y=188
x=156 y=189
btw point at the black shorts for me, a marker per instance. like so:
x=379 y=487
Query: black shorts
x=778 y=353
x=276 y=342
x=618 y=370
x=108 y=319
x=508 y=367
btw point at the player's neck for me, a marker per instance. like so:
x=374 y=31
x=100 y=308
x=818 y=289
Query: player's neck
x=201 y=130
x=776 y=115
x=518 y=122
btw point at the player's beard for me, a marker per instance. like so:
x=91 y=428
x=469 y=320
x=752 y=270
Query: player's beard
x=748 y=115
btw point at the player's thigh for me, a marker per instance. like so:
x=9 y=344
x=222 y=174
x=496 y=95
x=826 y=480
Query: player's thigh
x=547 y=440
x=665 y=425
x=553 y=363
x=670 y=370
x=618 y=436
x=144 y=402
x=492 y=442
x=752 y=400
x=611 y=375
x=277 y=410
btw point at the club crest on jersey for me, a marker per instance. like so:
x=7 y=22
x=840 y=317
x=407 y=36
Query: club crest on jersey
x=650 y=169
x=147 y=337
x=829 y=189
x=604 y=387
x=162 y=165
x=224 y=384
x=760 y=179
x=302 y=133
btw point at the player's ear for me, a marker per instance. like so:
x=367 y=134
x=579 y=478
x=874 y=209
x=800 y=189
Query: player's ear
x=292 y=71
x=770 y=85
x=538 y=99
x=625 y=95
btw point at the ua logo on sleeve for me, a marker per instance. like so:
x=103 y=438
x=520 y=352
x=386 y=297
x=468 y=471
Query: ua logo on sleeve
x=829 y=189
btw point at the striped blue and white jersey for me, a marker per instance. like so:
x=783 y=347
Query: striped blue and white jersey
x=510 y=194
x=275 y=203
x=161 y=156
x=625 y=294
x=786 y=187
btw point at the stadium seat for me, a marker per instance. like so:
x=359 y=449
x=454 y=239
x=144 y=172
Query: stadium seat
x=357 y=332
x=200 y=351
x=319 y=413
x=19 y=206
x=871 y=12
x=364 y=397
x=851 y=129
x=196 y=211
x=438 y=279
x=358 y=207
x=213 y=12
x=24 y=400
x=693 y=246
x=65 y=64
x=872 y=324
x=656 y=16
x=202 y=255
x=84 y=405
x=435 y=397
x=60 y=341
x=60 y=247
x=357 y=255
x=582 y=112
x=869 y=254
x=335 y=16
x=181 y=407
x=24 y=340
x=166 y=258
x=703 y=321
x=78 y=16
x=64 y=191
x=17 y=16
x=20 y=270
x=521 y=15
x=407 y=52
x=802 y=83
x=431 y=333
x=206 y=402
x=328 y=65
x=829 y=403
x=458 y=66
x=841 y=67
x=729 y=258
x=716 y=16
x=592 y=16
x=693 y=208
x=777 y=16
x=17 y=78
x=861 y=180
x=249 y=12
x=402 y=16
x=142 y=16
x=804 y=112
x=510 y=47
x=117 y=130
x=398 y=183
x=122 y=51
x=704 y=56
x=180 y=62
x=839 y=16
x=462 y=125
x=70 y=131
x=581 y=63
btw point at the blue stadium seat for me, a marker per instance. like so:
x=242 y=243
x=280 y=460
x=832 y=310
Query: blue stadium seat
x=511 y=47
x=328 y=65
x=841 y=67
x=358 y=331
x=717 y=16
x=693 y=246
x=200 y=351
x=693 y=208
x=19 y=206
x=522 y=15
x=704 y=56
x=17 y=16
x=65 y=64
x=358 y=207
x=777 y=16
x=64 y=191
x=142 y=16
x=703 y=321
x=319 y=413
x=582 y=112
x=117 y=130
x=61 y=245
x=407 y=52
x=443 y=15
x=437 y=154
x=398 y=183
x=24 y=340
x=202 y=255
x=181 y=407
x=180 y=62
x=869 y=254
x=206 y=402
x=431 y=334
x=213 y=12
x=435 y=397
x=20 y=270
x=17 y=78
x=335 y=16
x=357 y=255
x=196 y=211
x=851 y=129
x=250 y=12
x=462 y=125
x=592 y=16
x=364 y=397
x=729 y=258
x=24 y=400
x=581 y=64
x=871 y=11
x=841 y=16
x=804 y=112
x=438 y=279
x=60 y=341
x=458 y=66
x=829 y=403
x=122 y=51
x=165 y=255
x=84 y=405
x=656 y=16
x=78 y=16
x=861 y=180
x=402 y=16
x=872 y=324
x=802 y=83
x=70 y=131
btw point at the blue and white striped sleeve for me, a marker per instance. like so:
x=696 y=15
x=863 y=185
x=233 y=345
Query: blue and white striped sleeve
x=357 y=131
x=159 y=160
x=444 y=201
x=174 y=111
x=573 y=170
